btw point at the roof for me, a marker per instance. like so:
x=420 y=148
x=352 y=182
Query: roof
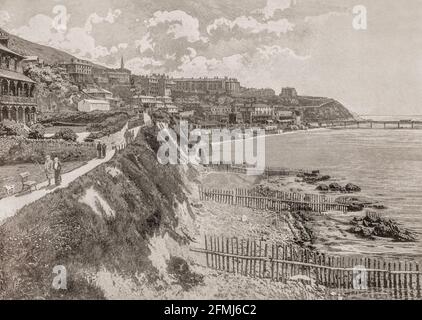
x=95 y=90
x=31 y=58
x=95 y=101
x=6 y=49
x=14 y=76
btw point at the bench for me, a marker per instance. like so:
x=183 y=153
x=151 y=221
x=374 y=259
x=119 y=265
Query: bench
x=10 y=189
x=27 y=184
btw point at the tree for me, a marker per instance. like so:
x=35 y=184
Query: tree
x=66 y=134
x=12 y=128
x=37 y=131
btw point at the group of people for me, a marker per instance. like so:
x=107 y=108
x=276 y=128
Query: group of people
x=101 y=150
x=53 y=169
x=129 y=136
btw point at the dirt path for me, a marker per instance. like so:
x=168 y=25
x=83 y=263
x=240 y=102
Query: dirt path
x=11 y=205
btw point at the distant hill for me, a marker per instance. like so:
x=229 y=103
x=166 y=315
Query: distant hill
x=48 y=54
x=28 y=48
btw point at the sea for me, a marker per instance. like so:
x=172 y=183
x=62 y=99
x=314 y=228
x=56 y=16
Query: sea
x=385 y=163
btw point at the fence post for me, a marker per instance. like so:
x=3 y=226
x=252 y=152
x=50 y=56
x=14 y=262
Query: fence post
x=206 y=249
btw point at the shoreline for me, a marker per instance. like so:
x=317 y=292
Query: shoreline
x=329 y=231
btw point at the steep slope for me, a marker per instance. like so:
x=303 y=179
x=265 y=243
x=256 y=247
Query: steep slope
x=48 y=54
x=330 y=110
x=123 y=218
x=28 y=48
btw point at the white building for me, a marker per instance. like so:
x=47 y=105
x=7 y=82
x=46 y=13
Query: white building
x=88 y=105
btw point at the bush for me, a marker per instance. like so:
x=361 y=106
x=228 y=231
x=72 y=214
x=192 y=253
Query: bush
x=12 y=128
x=37 y=131
x=66 y=134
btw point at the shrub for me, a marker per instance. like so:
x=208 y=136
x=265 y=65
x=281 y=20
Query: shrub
x=37 y=131
x=12 y=128
x=66 y=134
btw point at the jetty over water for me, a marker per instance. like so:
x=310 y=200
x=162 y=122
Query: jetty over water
x=372 y=124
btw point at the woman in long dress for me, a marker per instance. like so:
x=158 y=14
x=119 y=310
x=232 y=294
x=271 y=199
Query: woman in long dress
x=48 y=168
x=57 y=166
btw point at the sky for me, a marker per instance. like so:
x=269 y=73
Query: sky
x=308 y=44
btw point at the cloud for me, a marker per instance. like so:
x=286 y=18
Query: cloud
x=143 y=65
x=181 y=24
x=261 y=66
x=268 y=52
x=77 y=40
x=94 y=18
x=274 y=5
x=145 y=44
x=251 y=25
x=4 y=18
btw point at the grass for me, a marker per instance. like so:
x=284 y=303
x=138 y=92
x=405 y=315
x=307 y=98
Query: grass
x=60 y=230
x=52 y=130
x=9 y=175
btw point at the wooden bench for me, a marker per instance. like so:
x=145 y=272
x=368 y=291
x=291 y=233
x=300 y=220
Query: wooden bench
x=10 y=189
x=27 y=184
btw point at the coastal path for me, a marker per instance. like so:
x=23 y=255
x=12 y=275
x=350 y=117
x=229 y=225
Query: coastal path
x=9 y=206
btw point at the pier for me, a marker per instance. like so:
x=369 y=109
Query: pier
x=371 y=124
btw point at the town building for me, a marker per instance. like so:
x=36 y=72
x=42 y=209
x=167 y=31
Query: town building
x=102 y=94
x=289 y=93
x=89 y=105
x=119 y=76
x=80 y=71
x=207 y=85
x=153 y=85
x=100 y=76
x=31 y=61
x=17 y=91
x=155 y=103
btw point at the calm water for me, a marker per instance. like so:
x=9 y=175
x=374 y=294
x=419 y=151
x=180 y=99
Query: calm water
x=387 y=164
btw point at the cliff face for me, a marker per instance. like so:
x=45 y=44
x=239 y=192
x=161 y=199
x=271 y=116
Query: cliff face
x=329 y=111
x=128 y=218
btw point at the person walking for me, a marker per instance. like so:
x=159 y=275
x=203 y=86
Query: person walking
x=104 y=150
x=48 y=169
x=99 y=150
x=57 y=167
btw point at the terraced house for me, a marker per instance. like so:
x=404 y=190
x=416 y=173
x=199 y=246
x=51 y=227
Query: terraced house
x=17 y=91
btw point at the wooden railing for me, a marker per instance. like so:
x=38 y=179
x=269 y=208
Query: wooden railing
x=15 y=99
x=267 y=171
x=275 y=201
x=357 y=275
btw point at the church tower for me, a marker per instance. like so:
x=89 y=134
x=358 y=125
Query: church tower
x=122 y=64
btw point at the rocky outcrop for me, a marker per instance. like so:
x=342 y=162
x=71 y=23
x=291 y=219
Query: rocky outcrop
x=313 y=177
x=359 y=203
x=350 y=187
x=323 y=187
x=372 y=226
x=336 y=187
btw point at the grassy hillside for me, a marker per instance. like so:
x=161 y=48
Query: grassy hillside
x=28 y=48
x=330 y=111
x=48 y=54
x=109 y=220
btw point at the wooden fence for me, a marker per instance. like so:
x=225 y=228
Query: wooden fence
x=268 y=171
x=283 y=262
x=276 y=201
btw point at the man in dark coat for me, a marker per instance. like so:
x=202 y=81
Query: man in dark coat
x=99 y=150
x=104 y=150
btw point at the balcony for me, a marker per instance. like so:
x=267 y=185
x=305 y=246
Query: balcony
x=18 y=100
